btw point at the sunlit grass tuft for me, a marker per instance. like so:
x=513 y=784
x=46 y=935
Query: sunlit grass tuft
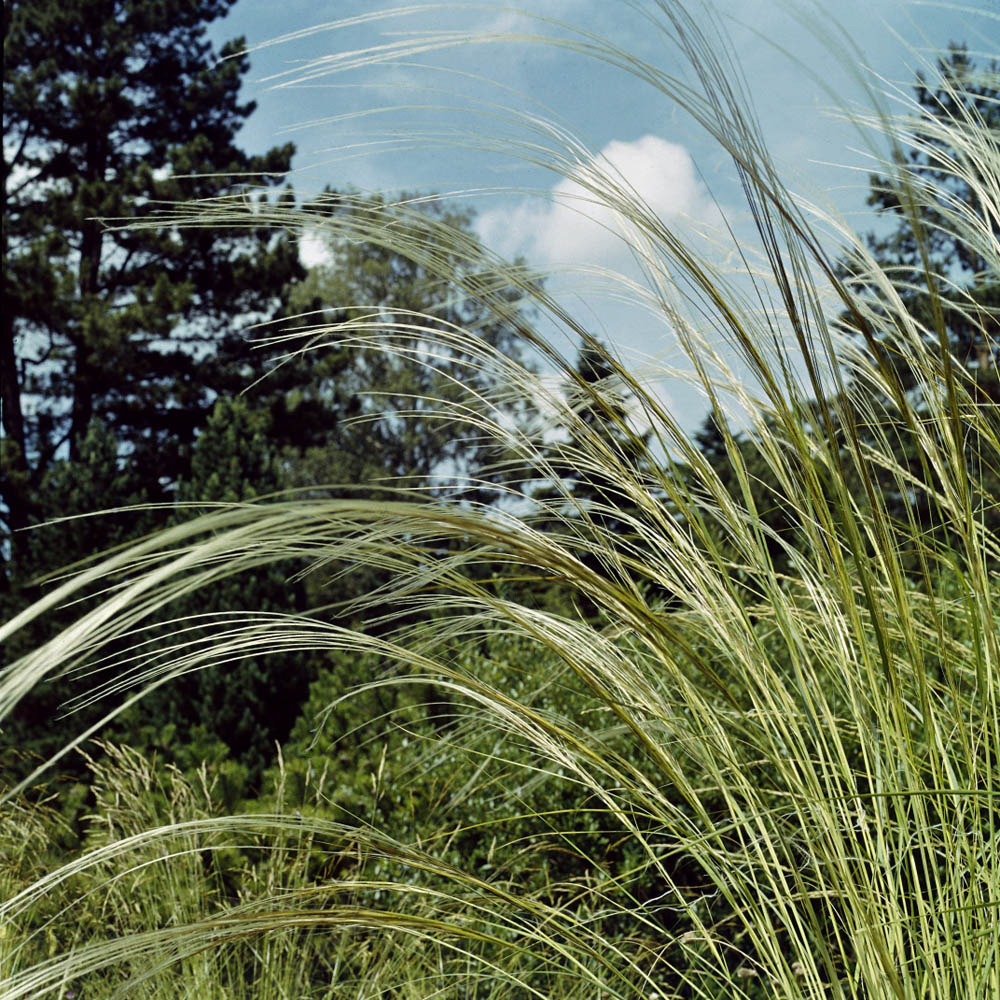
x=793 y=734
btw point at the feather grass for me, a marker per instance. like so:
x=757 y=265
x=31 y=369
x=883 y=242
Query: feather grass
x=799 y=746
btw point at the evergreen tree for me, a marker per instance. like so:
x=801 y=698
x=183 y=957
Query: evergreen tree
x=589 y=499
x=238 y=710
x=943 y=278
x=107 y=103
x=774 y=511
x=68 y=488
x=960 y=94
x=251 y=703
x=602 y=411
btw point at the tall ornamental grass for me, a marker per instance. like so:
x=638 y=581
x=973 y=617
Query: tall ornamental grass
x=794 y=733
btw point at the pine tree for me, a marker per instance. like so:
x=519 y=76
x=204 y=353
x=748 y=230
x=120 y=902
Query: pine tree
x=595 y=501
x=250 y=703
x=601 y=406
x=107 y=103
x=943 y=278
x=922 y=245
x=68 y=488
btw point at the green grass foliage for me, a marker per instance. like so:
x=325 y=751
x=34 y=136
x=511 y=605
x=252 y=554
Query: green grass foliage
x=693 y=756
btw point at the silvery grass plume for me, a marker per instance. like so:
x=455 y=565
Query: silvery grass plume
x=797 y=734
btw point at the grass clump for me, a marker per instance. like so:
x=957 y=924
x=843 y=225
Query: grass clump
x=738 y=759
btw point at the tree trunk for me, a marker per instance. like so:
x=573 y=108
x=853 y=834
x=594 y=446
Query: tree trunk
x=84 y=373
x=14 y=475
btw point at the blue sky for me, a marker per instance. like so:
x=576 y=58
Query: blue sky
x=787 y=51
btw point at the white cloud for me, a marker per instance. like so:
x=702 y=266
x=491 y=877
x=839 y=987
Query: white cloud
x=518 y=20
x=314 y=249
x=579 y=223
x=578 y=229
